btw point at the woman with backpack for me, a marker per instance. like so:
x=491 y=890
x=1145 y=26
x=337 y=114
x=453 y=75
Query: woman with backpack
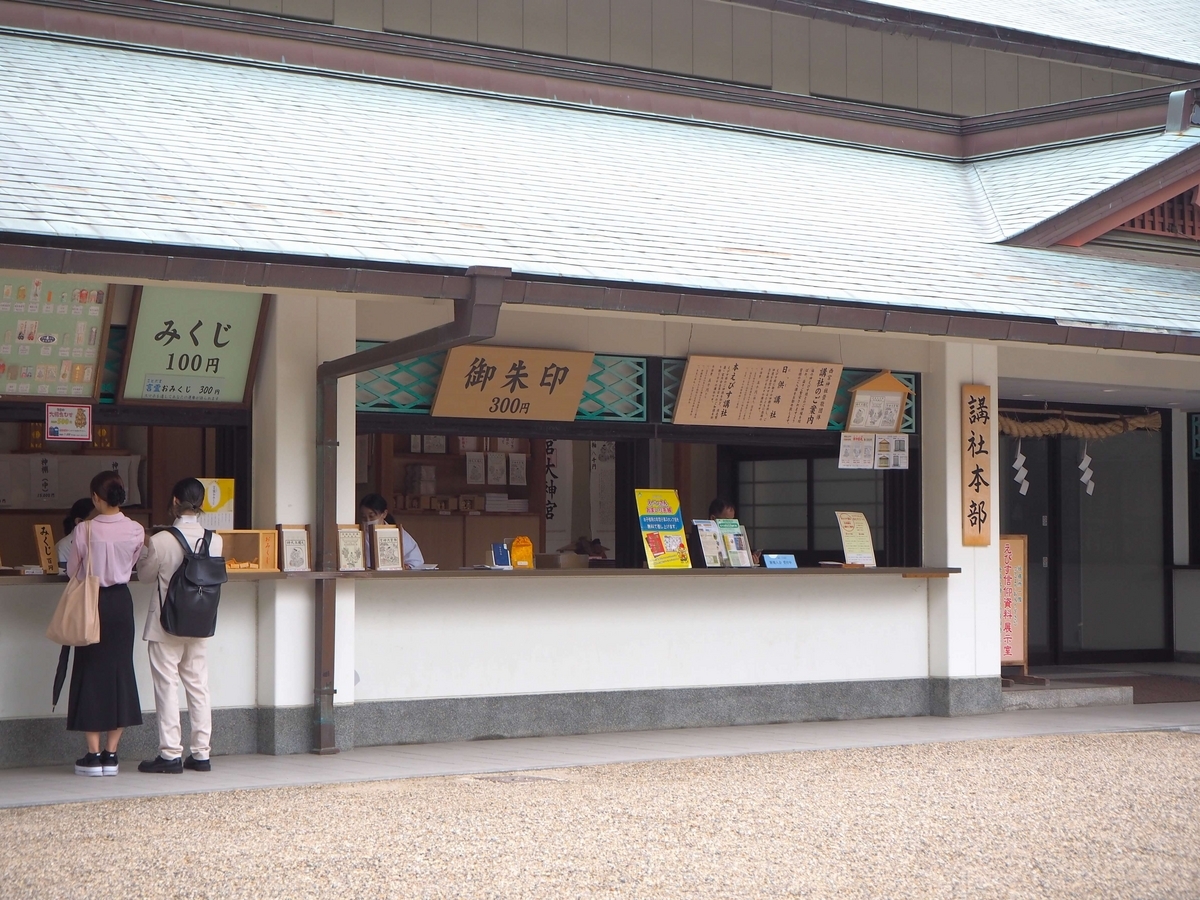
x=104 y=695
x=172 y=658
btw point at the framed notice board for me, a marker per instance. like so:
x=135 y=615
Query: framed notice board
x=53 y=332
x=1014 y=621
x=198 y=348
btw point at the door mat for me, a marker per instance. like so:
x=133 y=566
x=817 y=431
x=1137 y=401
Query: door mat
x=1151 y=688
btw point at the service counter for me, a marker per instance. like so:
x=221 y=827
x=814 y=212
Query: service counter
x=441 y=655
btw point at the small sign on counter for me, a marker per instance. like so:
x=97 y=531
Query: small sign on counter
x=661 y=522
x=856 y=539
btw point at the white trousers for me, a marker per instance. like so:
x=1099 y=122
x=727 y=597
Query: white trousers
x=172 y=661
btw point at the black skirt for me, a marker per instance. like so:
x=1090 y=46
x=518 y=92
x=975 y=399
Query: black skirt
x=104 y=692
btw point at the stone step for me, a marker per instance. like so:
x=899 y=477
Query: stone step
x=1064 y=695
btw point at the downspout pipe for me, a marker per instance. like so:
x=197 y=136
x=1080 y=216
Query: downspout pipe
x=475 y=319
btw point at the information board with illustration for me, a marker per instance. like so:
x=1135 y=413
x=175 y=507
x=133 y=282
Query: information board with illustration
x=52 y=337
x=661 y=522
x=192 y=346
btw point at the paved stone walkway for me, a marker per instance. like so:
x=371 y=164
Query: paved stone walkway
x=58 y=784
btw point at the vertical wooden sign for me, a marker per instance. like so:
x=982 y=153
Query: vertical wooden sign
x=47 y=552
x=977 y=508
x=1014 y=629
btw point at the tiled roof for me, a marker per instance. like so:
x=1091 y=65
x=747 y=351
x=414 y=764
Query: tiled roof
x=101 y=142
x=1164 y=29
x=1030 y=186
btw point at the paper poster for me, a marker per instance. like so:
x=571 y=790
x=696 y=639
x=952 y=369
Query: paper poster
x=712 y=545
x=857 y=451
x=737 y=545
x=761 y=393
x=434 y=443
x=661 y=523
x=516 y=468
x=68 y=423
x=876 y=411
x=476 y=469
x=350 y=548
x=891 y=450
x=216 y=512
x=497 y=468
x=43 y=478
x=856 y=539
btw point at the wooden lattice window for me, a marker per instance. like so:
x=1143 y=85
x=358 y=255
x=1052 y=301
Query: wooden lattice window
x=1175 y=218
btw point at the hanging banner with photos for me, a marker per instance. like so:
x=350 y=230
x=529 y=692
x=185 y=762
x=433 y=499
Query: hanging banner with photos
x=193 y=347
x=977 y=509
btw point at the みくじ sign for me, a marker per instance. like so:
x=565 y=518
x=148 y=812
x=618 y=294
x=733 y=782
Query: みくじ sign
x=190 y=346
x=519 y=384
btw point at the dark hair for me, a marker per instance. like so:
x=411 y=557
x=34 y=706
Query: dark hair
x=718 y=506
x=109 y=487
x=189 y=492
x=80 y=509
x=376 y=504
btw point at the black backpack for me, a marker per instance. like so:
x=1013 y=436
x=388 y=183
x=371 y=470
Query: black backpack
x=189 y=608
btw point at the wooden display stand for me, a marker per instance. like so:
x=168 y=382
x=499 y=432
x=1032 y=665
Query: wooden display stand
x=250 y=550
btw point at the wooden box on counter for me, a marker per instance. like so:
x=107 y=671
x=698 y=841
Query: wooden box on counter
x=251 y=550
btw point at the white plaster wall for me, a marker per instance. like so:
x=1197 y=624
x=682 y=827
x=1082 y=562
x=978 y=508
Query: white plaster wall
x=446 y=636
x=964 y=610
x=28 y=660
x=1092 y=366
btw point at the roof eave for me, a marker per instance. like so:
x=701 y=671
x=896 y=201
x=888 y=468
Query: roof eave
x=80 y=258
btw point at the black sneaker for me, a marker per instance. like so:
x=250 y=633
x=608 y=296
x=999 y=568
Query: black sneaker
x=197 y=765
x=162 y=766
x=89 y=765
x=108 y=762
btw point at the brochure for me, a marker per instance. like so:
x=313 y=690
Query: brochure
x=737 y=545
x=711 y=544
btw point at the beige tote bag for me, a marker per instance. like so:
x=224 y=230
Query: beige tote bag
x=76 y=621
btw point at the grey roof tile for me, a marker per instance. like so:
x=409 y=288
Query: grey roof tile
x=1166 y=29
x=151 y=147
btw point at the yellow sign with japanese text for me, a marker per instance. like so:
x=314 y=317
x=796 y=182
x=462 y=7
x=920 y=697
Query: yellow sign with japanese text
x=976 y=465
x=757 y=393
x=661 y=521
x=519 y=384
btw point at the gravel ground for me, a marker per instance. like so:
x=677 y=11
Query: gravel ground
x=1084 y=816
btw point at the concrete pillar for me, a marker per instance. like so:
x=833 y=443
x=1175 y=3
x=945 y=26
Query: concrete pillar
x=964 y=610
x=302 y=331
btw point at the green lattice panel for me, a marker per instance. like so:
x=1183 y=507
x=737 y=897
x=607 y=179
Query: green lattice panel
x=615 y=390
x=672 y=380
x=404 y=387
x=851 y=378
x=110 y=378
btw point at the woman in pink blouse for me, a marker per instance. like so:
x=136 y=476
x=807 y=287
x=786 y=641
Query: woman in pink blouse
x=104 y=695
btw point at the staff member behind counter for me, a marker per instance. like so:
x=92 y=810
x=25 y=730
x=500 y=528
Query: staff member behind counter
x=373 y=510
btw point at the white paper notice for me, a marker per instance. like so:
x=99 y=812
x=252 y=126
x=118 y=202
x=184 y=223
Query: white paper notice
x=497 y=468
x=43 y=478
x=476 y=469
x=891 y=451
x=516 y=468
x=857 y=451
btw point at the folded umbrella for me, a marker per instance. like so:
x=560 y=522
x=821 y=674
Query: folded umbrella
x=61 y=675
